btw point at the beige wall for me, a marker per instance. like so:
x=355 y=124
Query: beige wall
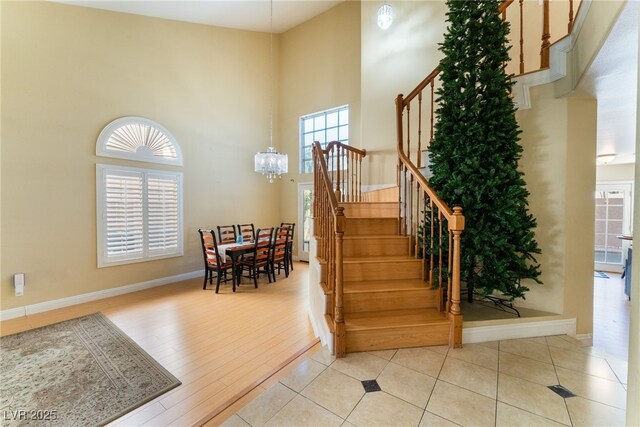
x=559 y=154
x=615 y=172
x=67 y=72
x=320 y=69
x=393 y=62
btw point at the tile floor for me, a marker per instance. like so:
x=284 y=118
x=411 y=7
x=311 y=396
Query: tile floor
x=501 y=383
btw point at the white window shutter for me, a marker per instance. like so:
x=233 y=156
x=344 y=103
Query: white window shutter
x=163 y=224
x=123 y=214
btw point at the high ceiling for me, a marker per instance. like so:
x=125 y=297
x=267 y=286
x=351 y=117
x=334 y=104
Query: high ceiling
x=612 y=80
x=253 y=15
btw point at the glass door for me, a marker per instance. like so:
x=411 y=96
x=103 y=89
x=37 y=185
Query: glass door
x=305 y=219
x=613 y=213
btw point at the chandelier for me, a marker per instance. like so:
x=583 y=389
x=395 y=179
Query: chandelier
x=385 y=16
x=270 y=163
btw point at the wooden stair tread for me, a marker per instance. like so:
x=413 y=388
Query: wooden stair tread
x=376 y=237
x=393 y=319
x=378 y=259
x=385 y=285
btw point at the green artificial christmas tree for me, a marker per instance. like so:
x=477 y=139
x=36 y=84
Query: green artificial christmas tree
x=475 y=152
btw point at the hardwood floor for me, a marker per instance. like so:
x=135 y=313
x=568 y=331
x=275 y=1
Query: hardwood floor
x=221 y=346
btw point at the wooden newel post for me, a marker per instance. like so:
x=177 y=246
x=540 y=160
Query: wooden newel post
x=338 y=191
x=340 y=337
x=456 y=225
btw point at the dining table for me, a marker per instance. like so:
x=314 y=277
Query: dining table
x=235 y=252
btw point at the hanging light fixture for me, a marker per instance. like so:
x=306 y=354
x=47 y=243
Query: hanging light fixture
x=270 y=163
x=385 y=16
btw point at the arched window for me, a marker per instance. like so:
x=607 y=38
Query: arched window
x=137 y=138
x=139 y=211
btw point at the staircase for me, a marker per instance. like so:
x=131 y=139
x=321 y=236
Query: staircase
x=389 y=260
x=387 y=303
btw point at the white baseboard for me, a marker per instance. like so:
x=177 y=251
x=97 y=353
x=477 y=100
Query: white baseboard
x=93 y=296
x=525 y=329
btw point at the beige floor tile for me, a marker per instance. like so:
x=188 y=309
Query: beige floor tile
x=510 y=416
x=539 y=340
x=441 y=349
x=303 y=374
x=528 y=369
x=382 y=409
x=385 y=354
x=432 y=420
x=565 y=341
x=472 y=377
x=258 y=411
x=361 y=366
x=347 y=424
x=420 y=359
x=235 y=421
x=581 y=362
x=324 y=356
x=527 y=348
x=303 y=412
x=477 y=354
x=532 y=397
x=586 y=413
x=610 y=393
x=335 y=391
x=406 y=384
x=494 y=345
x=620 y=368
x=461 y=406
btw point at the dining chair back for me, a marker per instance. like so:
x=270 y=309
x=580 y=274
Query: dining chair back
x=279 y=253
x=247 y=231
x=260 y=259
x=292 y=226
x=213 y=262
x=226 y=234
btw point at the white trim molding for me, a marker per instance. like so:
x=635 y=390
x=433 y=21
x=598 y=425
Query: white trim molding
x=521 y=329
x=558 y=53
x=26 y=310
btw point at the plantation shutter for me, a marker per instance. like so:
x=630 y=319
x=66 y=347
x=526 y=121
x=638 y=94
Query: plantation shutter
x=123 y=214
x=163 y=214
x=139 y=214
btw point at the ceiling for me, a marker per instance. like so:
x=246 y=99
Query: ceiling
x=612 y=79
x=253 y=15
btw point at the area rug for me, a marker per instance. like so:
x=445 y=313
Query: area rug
x=81 y=372
x=600 y=274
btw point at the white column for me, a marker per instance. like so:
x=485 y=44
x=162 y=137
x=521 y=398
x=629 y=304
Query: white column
x=633 y=379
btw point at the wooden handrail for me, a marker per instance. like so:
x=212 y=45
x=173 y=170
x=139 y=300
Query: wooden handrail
x=421 y=212
x=329 y=223
x=334 y=144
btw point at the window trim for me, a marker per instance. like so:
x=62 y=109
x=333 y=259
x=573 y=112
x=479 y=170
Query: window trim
x=102 y=258
x=140 y=155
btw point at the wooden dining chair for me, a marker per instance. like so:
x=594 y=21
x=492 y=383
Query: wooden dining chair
x=213 y=263
x=292 y=226
x=226 y=234
x=260 y=260
x=279 y=252
x=247 y=231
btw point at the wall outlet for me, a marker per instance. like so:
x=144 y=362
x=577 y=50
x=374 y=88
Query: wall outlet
x=18 y=282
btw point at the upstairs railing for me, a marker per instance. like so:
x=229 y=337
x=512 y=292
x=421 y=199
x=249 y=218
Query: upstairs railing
x=337 y=171
x=421 y=102
x=434 y=227
x=344 y=165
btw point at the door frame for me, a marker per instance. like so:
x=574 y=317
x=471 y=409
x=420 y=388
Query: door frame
x=302 y=186
x=627 y=220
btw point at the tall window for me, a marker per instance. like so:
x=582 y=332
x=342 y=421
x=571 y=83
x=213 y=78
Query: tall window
x=324 y=127
x=139 y=211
